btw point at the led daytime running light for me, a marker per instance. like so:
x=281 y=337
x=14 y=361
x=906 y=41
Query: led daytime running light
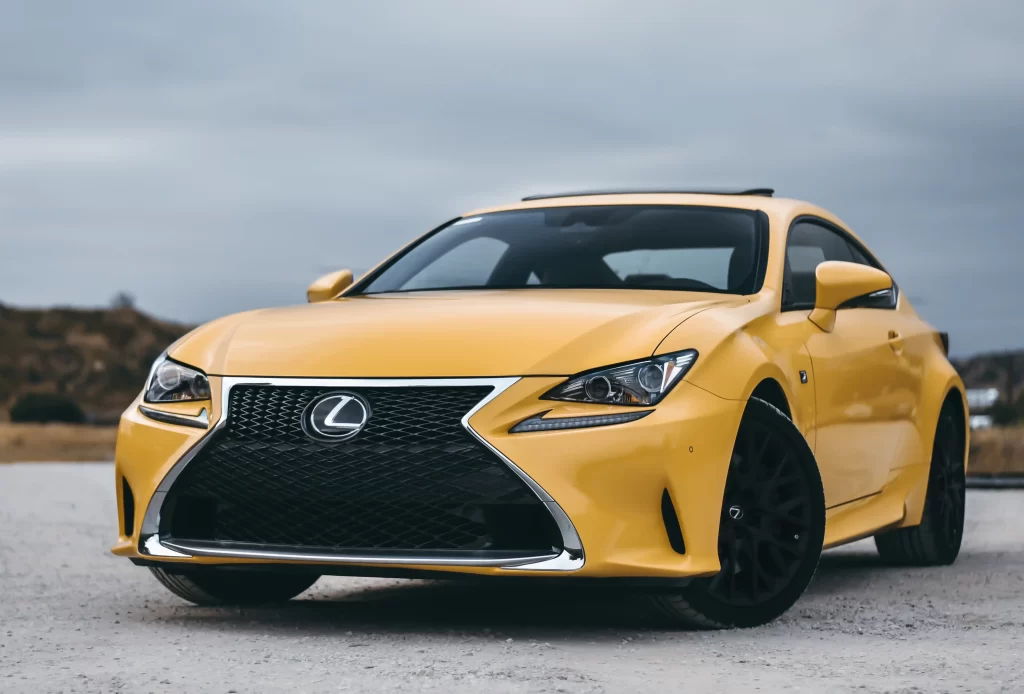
x=539 y=423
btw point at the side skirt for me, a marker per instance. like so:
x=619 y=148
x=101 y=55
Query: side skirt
x=899 y=504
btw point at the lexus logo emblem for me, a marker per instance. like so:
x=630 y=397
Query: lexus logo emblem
x=736 y=513
x=335 y=417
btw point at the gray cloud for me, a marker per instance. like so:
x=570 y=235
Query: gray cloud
x=212 y=157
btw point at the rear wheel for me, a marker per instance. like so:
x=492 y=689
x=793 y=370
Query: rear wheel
x=936 y=542
x=771 y=533
x=215 y=587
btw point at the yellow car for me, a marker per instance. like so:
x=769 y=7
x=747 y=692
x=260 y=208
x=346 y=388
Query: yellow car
x=688 y=392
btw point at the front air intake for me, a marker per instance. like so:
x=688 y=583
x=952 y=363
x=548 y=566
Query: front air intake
x=127 y=508
x=671 y=520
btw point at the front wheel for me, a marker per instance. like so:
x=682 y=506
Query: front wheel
x=771 y=531
x=210 y=587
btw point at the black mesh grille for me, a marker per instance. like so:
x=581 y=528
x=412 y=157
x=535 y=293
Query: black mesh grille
x=413 y=479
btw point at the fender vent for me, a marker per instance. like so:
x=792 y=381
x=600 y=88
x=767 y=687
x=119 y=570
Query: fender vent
x=668 y=515
x=127 y=508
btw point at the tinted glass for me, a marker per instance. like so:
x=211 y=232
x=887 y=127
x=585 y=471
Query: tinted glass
x=607 y=247
x=859 y=257
x=467 y=265
x=808 y=246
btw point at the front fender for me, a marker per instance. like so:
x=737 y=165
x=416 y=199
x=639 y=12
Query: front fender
x=735 y=359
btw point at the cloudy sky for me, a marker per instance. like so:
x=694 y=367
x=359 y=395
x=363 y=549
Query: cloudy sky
x=210 y=157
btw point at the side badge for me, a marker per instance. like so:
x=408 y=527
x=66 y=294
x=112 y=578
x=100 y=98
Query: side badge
x=803 y=377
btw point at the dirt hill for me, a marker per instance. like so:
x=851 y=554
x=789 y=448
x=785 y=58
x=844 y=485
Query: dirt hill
x=98 y=357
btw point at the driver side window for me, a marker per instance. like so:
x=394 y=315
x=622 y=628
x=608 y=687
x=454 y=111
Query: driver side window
x=810 y=244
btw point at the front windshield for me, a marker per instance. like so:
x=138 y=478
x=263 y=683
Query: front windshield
x=704 y=249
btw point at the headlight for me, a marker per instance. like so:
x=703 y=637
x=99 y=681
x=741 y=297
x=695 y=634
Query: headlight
x=636 y=383
x=170 y=381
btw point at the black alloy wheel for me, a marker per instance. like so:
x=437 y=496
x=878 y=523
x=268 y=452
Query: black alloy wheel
x=937 y=540
x=947 y=488
x=766 y=519
x=771 y=531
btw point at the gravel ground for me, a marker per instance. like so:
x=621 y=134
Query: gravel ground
x=75 y=618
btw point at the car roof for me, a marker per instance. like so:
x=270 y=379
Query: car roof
x=783 y=207
x=762 y=192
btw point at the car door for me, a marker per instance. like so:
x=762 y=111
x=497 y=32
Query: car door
x=911 y=341
x=859 y=389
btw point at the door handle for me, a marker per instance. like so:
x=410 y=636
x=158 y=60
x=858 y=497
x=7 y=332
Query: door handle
x=896 y=341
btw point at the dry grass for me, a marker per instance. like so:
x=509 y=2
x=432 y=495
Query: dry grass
x=55 y=442
x=997 y=451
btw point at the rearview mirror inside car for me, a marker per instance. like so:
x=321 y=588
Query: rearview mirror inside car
x=838 y=282
x=329 y=286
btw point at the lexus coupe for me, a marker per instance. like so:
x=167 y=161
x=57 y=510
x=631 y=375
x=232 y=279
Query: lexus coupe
x=690 y=392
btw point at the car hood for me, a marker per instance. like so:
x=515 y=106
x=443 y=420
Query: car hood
x=444 y=334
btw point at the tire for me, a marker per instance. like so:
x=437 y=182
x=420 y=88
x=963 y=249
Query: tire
x=771 y=533
x=936 y=541
x=212 y=587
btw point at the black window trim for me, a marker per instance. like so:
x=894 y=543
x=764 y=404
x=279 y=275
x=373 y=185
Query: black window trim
x=762 y=227
x=764 y=236
x=847 y=236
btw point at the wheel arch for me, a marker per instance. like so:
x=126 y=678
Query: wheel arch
x=942 y=391
x=743 y=365
x=957 y=400
x=768 y=381
x=772 y=392
x=922 y=539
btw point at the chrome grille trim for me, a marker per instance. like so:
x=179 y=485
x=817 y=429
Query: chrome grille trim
x=570 y=559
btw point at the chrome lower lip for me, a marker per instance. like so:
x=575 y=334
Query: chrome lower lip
x=506 y=559
x=570 y=559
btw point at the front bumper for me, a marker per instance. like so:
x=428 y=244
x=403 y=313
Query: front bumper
x=604 y=486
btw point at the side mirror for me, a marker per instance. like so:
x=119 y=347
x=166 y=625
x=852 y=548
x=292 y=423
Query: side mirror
x=329 y=286
x=837 y=283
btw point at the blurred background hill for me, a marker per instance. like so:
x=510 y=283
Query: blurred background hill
x=96 y=358
x=1003 y=371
